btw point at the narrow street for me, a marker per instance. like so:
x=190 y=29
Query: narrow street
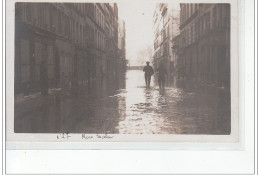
x=130 y=110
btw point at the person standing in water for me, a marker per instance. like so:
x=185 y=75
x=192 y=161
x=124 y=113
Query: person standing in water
x=148 y=73
x=161 y=76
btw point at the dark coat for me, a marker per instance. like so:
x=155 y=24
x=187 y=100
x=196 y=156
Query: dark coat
x=161 y=73
x=148 y=70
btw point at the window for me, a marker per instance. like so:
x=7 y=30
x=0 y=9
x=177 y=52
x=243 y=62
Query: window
x=67 y=26
x=38 y=14
x=203 y=25
x=59 y=21
x=103 y=42
x=77 y=32
x=102 y=24
x=80 y=34
x=71 y=29
x=103 y=21
x=28 y=9
x=192 y=34
x=97 y=16
x=214 y=16
x=85 y=36
x=96 y=39
x=197 y=30
x=52 y=21
x=95 y=13
x=208 y=22
x=48 y=15
x=184 y=12
x=227 y=16
x=187 y=11
x=62 y=24
x=220 y=16
x=99 y=19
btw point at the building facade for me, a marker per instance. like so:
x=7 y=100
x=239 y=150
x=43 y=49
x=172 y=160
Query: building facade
x=77 y=40
x=166 y=27
x=203 y=46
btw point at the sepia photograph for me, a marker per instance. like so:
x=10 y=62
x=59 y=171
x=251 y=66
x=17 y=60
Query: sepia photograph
x=130 y=86
x=124 y=68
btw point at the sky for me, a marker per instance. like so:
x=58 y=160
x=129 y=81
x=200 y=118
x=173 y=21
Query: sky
x=138 y=17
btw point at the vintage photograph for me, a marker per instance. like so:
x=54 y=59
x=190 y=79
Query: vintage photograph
x=122 y=68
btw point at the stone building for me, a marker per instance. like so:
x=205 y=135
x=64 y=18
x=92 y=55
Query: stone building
x=166 y=27
x=203 y=46
x=73 y=38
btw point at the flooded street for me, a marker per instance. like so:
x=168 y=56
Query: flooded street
x=131 y=109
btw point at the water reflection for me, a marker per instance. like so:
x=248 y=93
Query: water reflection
x=126 y=106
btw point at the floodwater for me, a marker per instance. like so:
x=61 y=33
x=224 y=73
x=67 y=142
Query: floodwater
x=130 y=108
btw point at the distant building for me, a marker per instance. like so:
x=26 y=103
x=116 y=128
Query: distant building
x=121 y=46
x=79 y=42
x=166 y=27
x=203 y=46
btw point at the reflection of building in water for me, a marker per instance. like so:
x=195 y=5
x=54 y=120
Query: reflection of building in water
x=79 y=42
x=121 y=108
x=203 y=46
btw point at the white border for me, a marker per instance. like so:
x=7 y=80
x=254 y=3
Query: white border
x=188 y=162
